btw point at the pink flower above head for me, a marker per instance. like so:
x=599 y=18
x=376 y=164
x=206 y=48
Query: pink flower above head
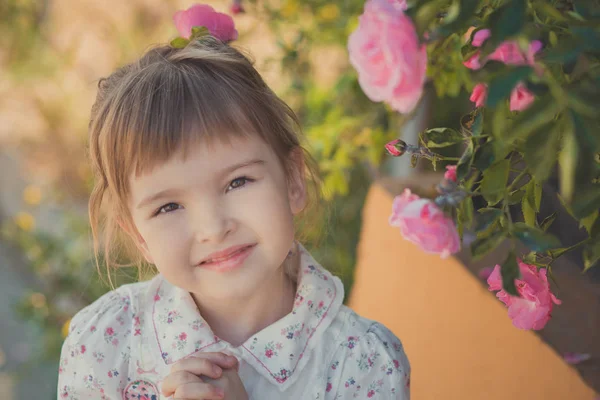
x=386 y=53
x=479 y=94
x=520 y=98
x=423 y=223
x=218 y=24
x=532 y=309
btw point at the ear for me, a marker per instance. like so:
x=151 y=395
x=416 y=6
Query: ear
x=297 y=182
x=137 y=239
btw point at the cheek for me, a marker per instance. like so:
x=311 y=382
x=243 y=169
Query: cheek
x=165 y=239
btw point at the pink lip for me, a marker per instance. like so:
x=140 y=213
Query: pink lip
x=227 y=259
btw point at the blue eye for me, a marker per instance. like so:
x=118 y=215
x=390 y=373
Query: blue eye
x=239 y=182
x=165 y=207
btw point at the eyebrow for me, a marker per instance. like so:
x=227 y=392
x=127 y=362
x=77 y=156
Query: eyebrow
x=172 y=192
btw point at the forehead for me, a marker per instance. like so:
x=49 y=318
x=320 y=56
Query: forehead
x=201 y=160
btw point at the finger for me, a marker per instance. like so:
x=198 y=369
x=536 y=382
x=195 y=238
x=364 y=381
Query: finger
x=220 y=359
x=176 y=379
x=198 y=391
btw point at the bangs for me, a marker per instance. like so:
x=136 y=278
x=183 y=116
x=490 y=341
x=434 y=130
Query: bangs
x=164 y=111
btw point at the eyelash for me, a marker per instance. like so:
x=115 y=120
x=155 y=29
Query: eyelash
x=244 y=178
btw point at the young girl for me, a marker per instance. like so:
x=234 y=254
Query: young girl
x=199 y=163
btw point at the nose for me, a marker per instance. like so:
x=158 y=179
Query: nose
x=212 y=223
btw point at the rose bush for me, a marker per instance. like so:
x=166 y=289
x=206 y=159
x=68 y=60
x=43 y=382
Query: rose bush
x=533 y=69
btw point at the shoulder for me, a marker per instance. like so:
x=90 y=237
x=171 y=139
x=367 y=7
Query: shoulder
x=368 y=358
x=117 y=306
x=362 y=333
x=95 y=354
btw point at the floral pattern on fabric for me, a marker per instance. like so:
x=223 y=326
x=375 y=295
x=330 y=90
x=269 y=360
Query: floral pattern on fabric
x=370 y=366
x=123 y=346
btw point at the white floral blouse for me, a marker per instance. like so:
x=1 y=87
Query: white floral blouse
x=123 y=345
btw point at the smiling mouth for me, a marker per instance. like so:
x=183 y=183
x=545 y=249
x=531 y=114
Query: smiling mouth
x=225 y=258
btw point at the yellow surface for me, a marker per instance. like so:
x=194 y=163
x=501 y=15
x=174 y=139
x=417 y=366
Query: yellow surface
x=458 y=337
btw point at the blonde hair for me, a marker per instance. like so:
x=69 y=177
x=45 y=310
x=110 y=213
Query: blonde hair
x=162 y=103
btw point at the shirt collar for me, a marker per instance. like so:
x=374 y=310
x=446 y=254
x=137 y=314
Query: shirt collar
x=277 y=352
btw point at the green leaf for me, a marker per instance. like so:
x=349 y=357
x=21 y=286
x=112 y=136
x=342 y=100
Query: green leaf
x=566 y=51
x=586 y=203
x=486 y=217
x=567 y=160
x=199 y=31
x=534 y=195
x=493 y=184
x=485 y=155
x=547 y=222
x=528 y=211
x=502 y=84
x=466 y=212
x=587 y=9
x=459 y=14
x=542 y=111
x=588 y=222
x=555 y=253
x=179 y=43
x=531 y=202
x=472 y=124
x=541 y=150
x=591 y=254
x=426 y=13
x=464 y=164
x=509 y=272
x=441 y=137
x=506 y=21
x=589 y=36
x=483 y=246
x=515 y=196
x=529 y=258
x=534 y=238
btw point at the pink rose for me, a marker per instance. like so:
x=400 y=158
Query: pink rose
x=533 y=308
x=423 y=223
x=218 y=24
x=473 y=62
x=396 y=147
x=520 y=98
x=450 y=173
x=508 y=52
x=480 y=37
x=386 y=53
x=479 y=94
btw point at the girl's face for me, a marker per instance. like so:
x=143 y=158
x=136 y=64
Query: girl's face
x=222 y=195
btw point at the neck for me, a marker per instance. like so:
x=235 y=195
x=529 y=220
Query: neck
x=237 y=321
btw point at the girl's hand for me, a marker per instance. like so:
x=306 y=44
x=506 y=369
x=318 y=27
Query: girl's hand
x=231 y=384
x=185 y=380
